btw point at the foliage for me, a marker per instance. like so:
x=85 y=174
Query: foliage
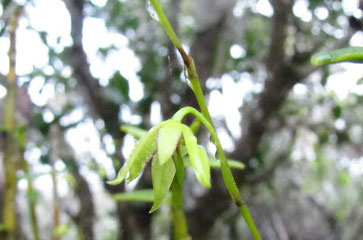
x=293 y=129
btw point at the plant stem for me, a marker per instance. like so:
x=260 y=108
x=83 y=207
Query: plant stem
x=180 y=227
x=249 y=220
x=195 y=84
x=31 y=202
x=11 y=154
x=52 y=159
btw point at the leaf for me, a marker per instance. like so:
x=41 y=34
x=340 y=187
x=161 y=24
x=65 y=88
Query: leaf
x=205 y=163
x=162 y=178
x=142 y=152
x=134 y=131
x=350 y=54
x=167 y=140
x=144 y=195
x=195 y=158
x=214 y=163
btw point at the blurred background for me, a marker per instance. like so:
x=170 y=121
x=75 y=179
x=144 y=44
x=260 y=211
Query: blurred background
x=86 y=67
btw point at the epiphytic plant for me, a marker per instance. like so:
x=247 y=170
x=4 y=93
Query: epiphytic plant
x=171 y=143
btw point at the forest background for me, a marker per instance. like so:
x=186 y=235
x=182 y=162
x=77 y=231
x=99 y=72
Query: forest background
x=86 y=67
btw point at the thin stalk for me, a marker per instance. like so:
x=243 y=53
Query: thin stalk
x=53 y=158
x=180 y=227
x=11 y=155
x=31 y=202
x=195 y=84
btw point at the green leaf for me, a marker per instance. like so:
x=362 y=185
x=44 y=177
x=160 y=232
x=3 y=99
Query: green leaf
x=195 y=158
x=134 y=131
x=350 y=54
x=214 y=163
x=205 y=163
x=144 y=195
x=167 y=140
x=142 y=152
x=162 y=178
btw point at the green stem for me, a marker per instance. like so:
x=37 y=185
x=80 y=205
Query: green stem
x=249 y=220
x=11 y=152
x=165 y=23
x=31 y=201
x=195 y=84
x=180 y=226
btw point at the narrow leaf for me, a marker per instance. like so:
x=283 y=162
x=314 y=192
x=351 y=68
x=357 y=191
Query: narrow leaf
x=134 y=131
x=144 y=195
x=162 y=178
x=195 y=157
x=214 y=163
x=142 y=152
x=167 y=139
x=350 y=54
x=120 y=176
x=205 y=163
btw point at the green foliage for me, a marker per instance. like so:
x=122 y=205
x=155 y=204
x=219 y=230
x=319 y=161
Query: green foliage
x=142 y=152
x=198 y=160
x=166 y=135
x=162 y=178
x=167 y=139
x=350 y=54
x=214 y=163
x=144 y=195
x=162 y=142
